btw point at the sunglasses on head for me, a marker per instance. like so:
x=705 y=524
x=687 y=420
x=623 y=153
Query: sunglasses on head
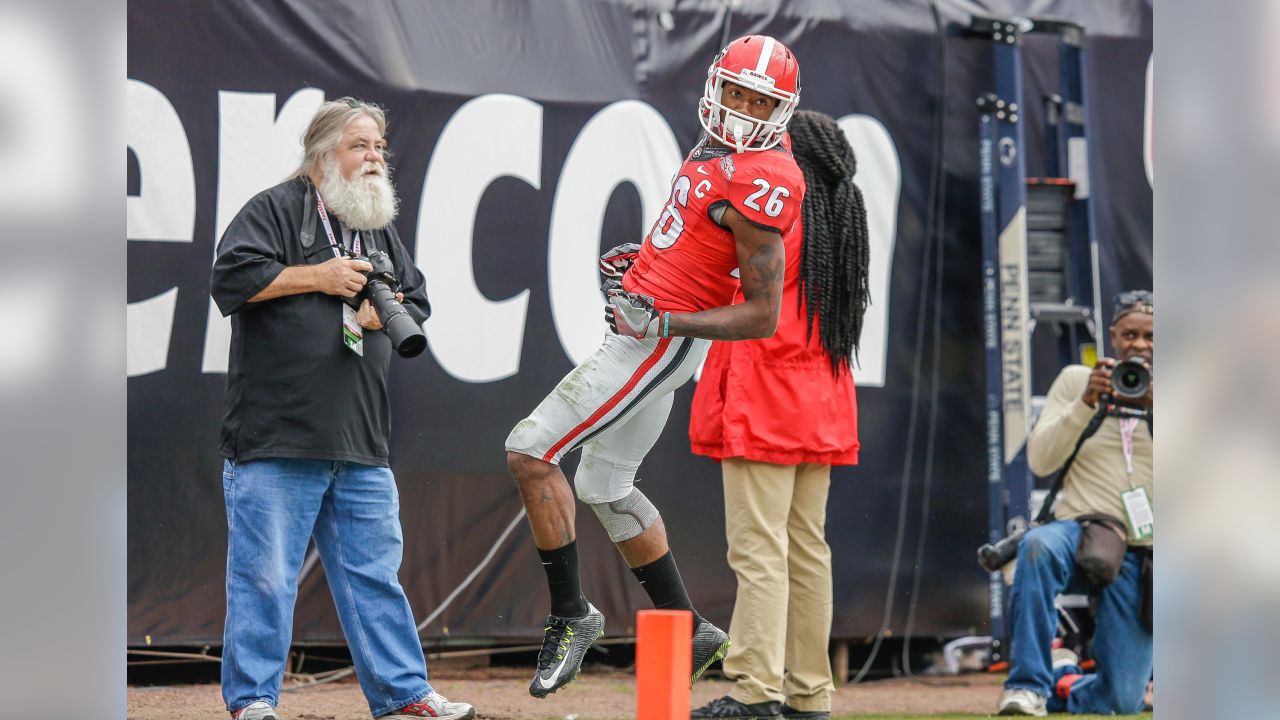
x=1133 y=297
x=1132 y=301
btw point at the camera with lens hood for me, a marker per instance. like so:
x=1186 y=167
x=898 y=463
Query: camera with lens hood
x=380 y=290
x=1130 y=379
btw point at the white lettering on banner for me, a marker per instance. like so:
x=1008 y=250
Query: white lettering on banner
x=880 y=178
x=597 y=163
x=473 y=338
x=163 y=211
x=256 y=150
x=148 y=326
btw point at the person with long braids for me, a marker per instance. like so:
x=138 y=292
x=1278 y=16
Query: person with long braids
x=778 y=413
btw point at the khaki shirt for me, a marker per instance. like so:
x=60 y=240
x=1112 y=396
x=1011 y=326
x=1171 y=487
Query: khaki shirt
x=1098 y=476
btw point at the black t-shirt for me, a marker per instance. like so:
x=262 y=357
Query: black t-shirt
x=294 y=389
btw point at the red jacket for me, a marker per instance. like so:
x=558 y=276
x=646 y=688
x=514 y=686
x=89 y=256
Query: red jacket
x=775 y=400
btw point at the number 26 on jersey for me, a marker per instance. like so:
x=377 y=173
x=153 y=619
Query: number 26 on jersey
x=670 y=223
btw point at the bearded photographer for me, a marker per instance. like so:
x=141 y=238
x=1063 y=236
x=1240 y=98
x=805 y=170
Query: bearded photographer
x=307 y=422
x=1101 y=539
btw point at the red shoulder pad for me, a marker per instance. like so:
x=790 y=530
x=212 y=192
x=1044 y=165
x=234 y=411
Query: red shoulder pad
x=767 y=191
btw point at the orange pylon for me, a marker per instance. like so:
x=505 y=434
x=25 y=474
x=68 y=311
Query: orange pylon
x=663 y=664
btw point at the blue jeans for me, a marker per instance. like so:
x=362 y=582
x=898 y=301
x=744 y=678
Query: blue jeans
x=1121 y=645
x=273 y=508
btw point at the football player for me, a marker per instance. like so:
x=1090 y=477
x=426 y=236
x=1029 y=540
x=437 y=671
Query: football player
x=732 y=203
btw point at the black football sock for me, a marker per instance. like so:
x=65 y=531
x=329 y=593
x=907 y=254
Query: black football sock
x=561 y=566
x=661 y=579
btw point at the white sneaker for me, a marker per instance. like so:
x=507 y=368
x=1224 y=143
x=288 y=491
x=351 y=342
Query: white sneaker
x=1019 y=701
x=1065 y=657
x=257 y=710
x=434 y=705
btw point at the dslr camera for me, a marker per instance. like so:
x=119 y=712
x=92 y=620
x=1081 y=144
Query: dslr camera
x=1130 y=379
x=380 y=290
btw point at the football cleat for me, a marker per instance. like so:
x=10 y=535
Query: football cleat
x=564 y=645
x=710 y=644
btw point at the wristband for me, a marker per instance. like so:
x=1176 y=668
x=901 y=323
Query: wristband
x=666 y=324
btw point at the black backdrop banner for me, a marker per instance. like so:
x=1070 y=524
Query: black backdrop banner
x=528 y=137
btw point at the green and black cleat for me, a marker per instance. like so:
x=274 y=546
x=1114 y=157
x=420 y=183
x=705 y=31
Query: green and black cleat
x=564 y=645
x=710 y=644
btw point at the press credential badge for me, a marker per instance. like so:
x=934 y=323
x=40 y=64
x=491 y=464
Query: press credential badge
x=352 y=333
x=1142 y=522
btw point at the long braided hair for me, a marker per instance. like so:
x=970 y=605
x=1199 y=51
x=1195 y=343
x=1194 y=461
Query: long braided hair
x=836 y=250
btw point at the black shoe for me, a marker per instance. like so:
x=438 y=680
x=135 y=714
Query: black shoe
x=727 y=707
x=710 y=644
x=564 y=645
x=790 y=713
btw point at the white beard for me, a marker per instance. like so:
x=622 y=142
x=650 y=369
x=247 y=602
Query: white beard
x=365 y=202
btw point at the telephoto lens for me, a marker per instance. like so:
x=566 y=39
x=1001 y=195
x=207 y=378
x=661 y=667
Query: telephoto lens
x=406 y=337
x=1130 y=378
x=994 y=556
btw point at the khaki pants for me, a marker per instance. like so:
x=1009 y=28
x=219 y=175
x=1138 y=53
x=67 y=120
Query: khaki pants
x=775 y=517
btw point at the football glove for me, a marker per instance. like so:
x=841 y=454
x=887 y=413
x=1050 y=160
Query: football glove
x=616 y=262
x=610 y=286
x=632 y=315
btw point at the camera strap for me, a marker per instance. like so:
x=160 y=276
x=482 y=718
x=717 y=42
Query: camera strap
x=328 y=230
x=352 y=333
x=305 y=234
x=1046 y=510
x=1127 y=426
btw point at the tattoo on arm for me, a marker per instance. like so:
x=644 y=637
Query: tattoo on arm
x=762 y=260
x=761 y=283
x=762 y=278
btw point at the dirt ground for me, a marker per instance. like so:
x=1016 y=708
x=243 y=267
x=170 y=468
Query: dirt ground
x=599 y=694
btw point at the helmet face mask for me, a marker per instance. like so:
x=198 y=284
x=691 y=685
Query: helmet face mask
x=758 y=63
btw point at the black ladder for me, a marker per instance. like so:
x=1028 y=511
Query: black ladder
x=1039 y=265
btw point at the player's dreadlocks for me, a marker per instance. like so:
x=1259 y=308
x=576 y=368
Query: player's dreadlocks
x=834 y=258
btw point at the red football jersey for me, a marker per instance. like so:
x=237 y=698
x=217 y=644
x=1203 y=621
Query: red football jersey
x=688 y=261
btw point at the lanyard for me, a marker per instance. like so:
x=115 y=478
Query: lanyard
x=1127 y=426
x=328 y=230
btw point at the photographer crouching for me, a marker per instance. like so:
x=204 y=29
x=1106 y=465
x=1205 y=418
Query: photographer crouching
x=320 y=290
x=1096 y=422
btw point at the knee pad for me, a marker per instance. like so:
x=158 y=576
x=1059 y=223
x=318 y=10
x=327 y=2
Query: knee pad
x=628 y=517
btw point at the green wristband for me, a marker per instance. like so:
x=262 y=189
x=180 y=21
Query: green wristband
x=666 y=324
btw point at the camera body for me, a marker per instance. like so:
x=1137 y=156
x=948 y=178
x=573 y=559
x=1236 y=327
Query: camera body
x=384 y=271
x=380 y=290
